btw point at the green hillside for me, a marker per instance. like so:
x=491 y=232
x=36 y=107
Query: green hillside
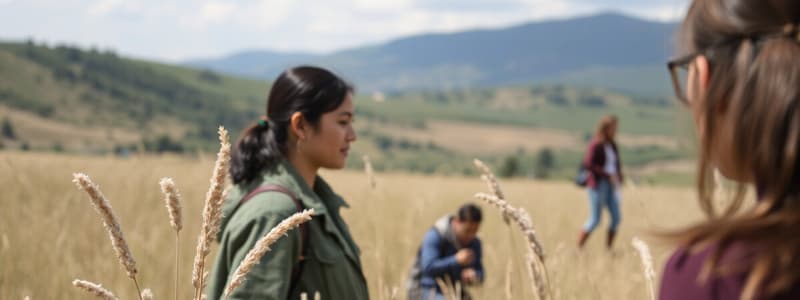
x=92 y=89
x=88 y=101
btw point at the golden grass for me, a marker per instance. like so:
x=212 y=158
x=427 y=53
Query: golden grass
x=212 y=213
x=536 y=261
x=369 y=171
x=94 y=289
x=110 y=222
x=42 y=213
x=172 y=198
x=147 y=294
x=647 y=264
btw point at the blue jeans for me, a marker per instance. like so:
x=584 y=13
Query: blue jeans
x=604 y=194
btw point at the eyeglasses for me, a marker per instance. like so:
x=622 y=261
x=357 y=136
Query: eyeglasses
x=679 y=71
x=679 y=67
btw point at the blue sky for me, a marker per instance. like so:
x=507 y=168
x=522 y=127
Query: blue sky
x=175 y=30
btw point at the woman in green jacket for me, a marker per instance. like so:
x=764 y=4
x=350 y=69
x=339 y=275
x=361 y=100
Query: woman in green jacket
x=274 y=167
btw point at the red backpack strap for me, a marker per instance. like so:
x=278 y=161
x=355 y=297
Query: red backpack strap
x=298 y=267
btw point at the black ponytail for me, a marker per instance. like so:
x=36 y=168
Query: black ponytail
x=311 y=91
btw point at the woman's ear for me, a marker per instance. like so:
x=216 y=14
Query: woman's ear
x=703 y=72
x=703 y=79
x=298 y=125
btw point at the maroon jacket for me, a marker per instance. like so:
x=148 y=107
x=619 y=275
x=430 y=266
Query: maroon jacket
x=595 y=162
x=680 y=279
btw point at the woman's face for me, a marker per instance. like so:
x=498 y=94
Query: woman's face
x=328 y=145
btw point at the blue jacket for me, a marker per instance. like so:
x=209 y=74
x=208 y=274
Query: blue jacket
x=436 y=257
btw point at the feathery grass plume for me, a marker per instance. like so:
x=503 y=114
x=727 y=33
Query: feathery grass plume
x=172 y=198
x=103 y=207
x=454 y=288
x=494 y=186
x=520 y=217
x=94 y=289
x=317 y=296
x=212 y=212
x=173 y=202
x=369 y=171
x=147 y=294
x=447 y=291
x=647 y=264
x=490 y=179
x=538 y=274
x=536 y=267
x=262 y=246
x=303 y=296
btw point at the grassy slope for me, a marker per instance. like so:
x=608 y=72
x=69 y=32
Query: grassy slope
x=61 y=97
x=92 y=90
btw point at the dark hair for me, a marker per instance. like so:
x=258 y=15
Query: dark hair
x=754 y=61
x=309 y=90
x=469 y=213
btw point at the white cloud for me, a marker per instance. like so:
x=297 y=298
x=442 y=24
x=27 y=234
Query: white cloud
x=209 y=13
x=105 y=7
x=383 y=6
x=665 y=13
x=216 y=11
x=131 y=10
x=662 y=10
x=183 y=29
x=267 y=14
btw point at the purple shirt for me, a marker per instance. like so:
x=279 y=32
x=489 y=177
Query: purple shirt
x=681 y=276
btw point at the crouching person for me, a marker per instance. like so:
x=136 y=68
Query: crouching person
x=450 y=253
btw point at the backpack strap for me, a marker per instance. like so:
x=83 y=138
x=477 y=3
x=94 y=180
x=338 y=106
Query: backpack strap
x=297 y=269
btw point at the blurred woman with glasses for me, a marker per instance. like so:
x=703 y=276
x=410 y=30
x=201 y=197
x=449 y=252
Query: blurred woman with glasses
x=739 y=75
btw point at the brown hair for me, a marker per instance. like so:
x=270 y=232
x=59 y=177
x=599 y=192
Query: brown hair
x=603 y=130
x=754 y=57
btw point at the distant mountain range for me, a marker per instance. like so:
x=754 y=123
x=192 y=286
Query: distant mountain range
x=608 y=50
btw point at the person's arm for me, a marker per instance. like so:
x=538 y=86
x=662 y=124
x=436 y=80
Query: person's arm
x=479 y=260
x=270 y=278
x=432 y=261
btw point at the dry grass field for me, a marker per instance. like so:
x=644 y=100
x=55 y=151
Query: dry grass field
x=462 y=137
x=50 y=235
